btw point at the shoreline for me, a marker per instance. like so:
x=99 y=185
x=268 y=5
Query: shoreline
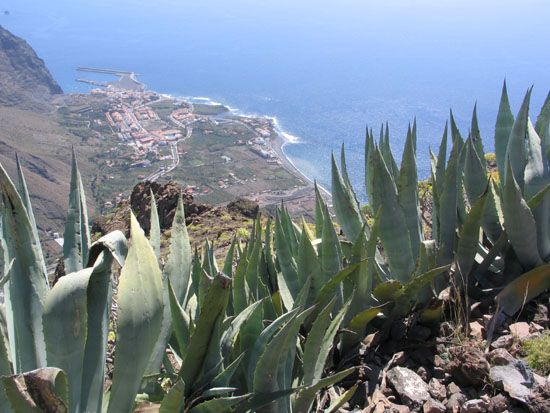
x=278 y=144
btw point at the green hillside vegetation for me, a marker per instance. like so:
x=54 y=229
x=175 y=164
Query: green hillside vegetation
x=271 y=326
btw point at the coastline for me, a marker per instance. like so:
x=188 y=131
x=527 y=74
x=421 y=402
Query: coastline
x=278 y=144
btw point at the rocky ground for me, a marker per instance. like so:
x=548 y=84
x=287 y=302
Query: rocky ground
x=437 y=369
x=218 y=224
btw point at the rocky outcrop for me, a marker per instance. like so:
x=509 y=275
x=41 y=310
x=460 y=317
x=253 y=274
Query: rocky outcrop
x=25 y=82
x=244 y=206
x=166 y=197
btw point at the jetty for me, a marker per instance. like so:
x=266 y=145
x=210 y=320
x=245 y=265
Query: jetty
x=126 y=80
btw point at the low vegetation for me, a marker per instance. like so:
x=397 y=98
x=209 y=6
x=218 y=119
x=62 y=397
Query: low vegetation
x=537 y=353
x=265 y=329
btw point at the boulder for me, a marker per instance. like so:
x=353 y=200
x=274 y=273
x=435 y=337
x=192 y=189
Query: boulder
x=468 y=366
x=539 y=401
x=411 y=389
x=515 y=378
x=437 y=390
x=245 y=207
x=475 y=406
x=498 y=404
x=455 y=402
x=505 y=341
x=499 y=357
x=166 y=197
x=433 y=406
x=520 y=330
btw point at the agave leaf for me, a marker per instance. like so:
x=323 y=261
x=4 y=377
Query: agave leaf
x=523 y=289
x=230 y=334
x=355 y=329
x=212 y=310
x=309 y=266
x=41 y=390
x=476 y=135
x=177 y=272
x=536 y=199
x=516 y=150
x=262 y=340
x=319 y=217
x=289 y=230
x=228 y=262
x=493 y=219
x=78 y=343
x=251 y=274
x=386 y=152
x=25 y=197
x=537 y=176
x=272 y=363
x=27 y=288
x=332 y=285
x=395 y=239
x=268 y=251
x=475 y=173
x=76 y=239
x=358 y=286
x=341 y=400
x=330 y=250
x=345 y=203
x=305 y=397
x=180 y=321
x=427 y=258
x=5 y=370
x=409 y=295
x=213 y=360
x=102 y=252
x=319 y=342
x=469 y=240
x=240 y=289
x=224 y=378
x=220 y=404
x=139 y=320
x=5 y=365
x=542 y=125
x=441 y=161
x=369 y=171
x=174 y=400
x=285 y=257
x=154 y=232
x=407 y=189
x=447 y=212
x=519 y=223
x=503 y=128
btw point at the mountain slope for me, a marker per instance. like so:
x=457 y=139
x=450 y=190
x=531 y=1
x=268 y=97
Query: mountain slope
x=44 y=149
x=25 y=82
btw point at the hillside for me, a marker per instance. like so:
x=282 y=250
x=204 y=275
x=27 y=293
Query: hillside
x=44 y=149
x=25 y=82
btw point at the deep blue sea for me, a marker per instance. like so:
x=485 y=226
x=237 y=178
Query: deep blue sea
x=325 y=69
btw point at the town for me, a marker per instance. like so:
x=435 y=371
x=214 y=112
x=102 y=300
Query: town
x=144 y=135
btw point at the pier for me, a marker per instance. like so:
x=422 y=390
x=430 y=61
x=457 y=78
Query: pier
x=105 y=71
x=93 y=82
x=126 y=80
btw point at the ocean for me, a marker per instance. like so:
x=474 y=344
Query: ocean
x=324 y=69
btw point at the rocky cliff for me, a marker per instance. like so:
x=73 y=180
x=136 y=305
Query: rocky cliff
x=25 y=82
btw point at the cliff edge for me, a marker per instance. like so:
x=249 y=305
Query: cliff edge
x=25 y=82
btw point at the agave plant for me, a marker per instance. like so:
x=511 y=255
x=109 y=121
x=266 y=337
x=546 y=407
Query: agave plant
x=521 y=253
x=215 y=323
x=55 y=337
